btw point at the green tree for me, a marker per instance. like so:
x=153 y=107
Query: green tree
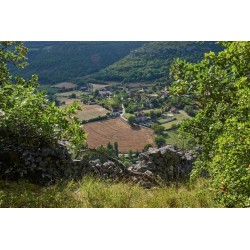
x=130 y=154
x=116 y=148
x=26 y=113
x=153 y=115
x=189 y=110
x=220 y=87
x=158 y=129
x=160 y=141
x=131 y=120
x=110 y=146
x=155 y=102
x=96 y=93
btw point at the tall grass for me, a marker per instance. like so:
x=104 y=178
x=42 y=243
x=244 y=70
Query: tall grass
x=93 y=193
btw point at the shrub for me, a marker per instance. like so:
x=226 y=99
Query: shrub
x=220 y=86
x=28 y=118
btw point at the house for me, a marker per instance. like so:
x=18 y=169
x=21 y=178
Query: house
x=92 y=102
x=140 y=117
x=174 y=110
x=120 y=88
x=105 y=94
x=141 y=91
x=153 y=96
x=115 y=113
x=83 y=89
x=149 y=104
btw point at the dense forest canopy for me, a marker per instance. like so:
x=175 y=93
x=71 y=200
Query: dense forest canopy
x=83 y=62
x=151 y=62
x=65 y=61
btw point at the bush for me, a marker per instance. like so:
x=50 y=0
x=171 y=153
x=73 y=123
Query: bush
x=28 y=119
x=220 y=87
x=160 y=141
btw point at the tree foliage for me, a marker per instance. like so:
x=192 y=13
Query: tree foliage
x=220 y=87
x=160 y=140
x=26 y=113
x=151 y=61
x=52 y=60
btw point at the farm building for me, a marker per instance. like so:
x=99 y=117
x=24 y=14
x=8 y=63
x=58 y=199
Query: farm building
x=174 y=110
x=105 y=94
x=140 y=117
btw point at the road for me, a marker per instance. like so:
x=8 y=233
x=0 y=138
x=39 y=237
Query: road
x=123 y=112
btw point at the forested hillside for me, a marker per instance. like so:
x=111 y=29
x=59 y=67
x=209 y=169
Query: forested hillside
x=151 y=61
x=108 y=61
x=65 y=61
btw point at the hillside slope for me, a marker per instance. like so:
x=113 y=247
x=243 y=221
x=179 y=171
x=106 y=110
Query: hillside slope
x=152 y=60
x=66 y=61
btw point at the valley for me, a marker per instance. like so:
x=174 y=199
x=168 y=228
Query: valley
x=113 y=112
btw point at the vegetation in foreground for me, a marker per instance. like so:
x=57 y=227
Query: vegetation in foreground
x=94 y=193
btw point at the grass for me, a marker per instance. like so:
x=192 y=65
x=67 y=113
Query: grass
x=127 y=115
x=172 y=137
x=147 y=111
x=179 y=118
x=69 y=93
x=93 y=193
x=48 y=89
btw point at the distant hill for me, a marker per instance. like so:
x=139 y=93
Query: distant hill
x=66 y=61
x=152 y=60
x=82 y=62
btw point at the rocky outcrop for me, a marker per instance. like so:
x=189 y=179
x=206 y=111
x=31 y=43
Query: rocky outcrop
x=167 y=163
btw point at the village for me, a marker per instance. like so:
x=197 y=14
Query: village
x=144 y=105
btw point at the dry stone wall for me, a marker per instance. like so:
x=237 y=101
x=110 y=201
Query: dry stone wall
x=44 y=164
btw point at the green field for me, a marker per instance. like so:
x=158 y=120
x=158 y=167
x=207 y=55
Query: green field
x=69 y=93
x=172 y=137
x=127 y=115
x=147 y=111
x=179 y=118
x=48 y=89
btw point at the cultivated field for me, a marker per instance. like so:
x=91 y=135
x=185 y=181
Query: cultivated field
x=65 y=85
x=91 y=111
x=98 y=87
x=88 y=111
x=117 y=130
x=138 y=84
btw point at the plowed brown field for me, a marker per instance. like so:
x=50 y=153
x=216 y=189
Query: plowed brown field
x=118 y=130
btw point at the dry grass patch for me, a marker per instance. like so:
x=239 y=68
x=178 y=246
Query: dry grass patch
x=65 y=85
